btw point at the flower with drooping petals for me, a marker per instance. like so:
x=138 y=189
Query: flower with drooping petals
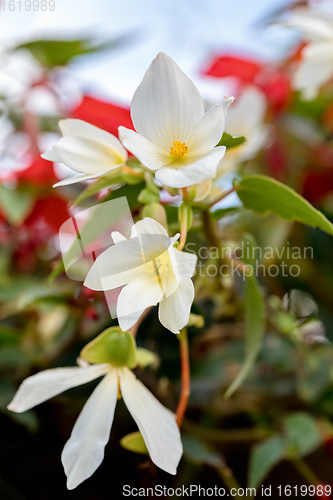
x=87 y=149
x=174 y=136
x=151 y=271
x=112 y=353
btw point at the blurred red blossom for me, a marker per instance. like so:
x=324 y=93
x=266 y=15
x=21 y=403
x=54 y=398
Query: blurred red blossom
x=39 y=173
x=102 y=114
x=269 y=78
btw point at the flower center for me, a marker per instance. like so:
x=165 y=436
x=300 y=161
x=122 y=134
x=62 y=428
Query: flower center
x=178 y=149
x=158 y=266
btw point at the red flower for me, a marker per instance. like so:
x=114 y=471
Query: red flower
x=317 y=184
x=102 y=114
x=244 y=69
x=51 y=209
x=270 y=79
x=39 y=173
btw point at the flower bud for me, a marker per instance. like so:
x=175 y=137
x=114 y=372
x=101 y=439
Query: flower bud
x=111 y=346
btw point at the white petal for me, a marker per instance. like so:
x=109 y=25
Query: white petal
x=314 y=24
x=80 y=128
x=316 y=68
x=254 y=142
x=49 y=383
x=150 y=155
x=84 y=451
x=51 y=155
x=166 y=106
x=116 y=266
x=247 y=112
x=156 y=423
x=125 y=261
x=117 y=237
x=174 y=311
x=202 y=190
x=191 y=171
x=149 y=226
x=144 y=291
x=86 y=156
x=208 y=132
x=83 y=177
x=183 y=264
x=126 y=322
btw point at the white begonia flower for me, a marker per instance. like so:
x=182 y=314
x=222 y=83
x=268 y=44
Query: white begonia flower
x=316 y=66
x=84 y=451
x=246 y=118
x=87 y=149
x=151 y=271
x=174 y=136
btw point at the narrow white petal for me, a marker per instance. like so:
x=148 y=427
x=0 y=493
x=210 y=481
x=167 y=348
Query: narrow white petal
x=166 y=106
x=183 y=264
x=174 y=311
x=208 y=132
x=86 y=156
x=80 y=128
x=191 y=171
x=144 y=291
x=150 y=155
x=49 y=383
x=84 y=451
x=156 y=423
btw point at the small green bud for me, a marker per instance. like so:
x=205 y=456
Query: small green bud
x=147 y=196
x=111 y=346
x=134 y=442
x=156 y=211
x=145 y=357
x=196 y=320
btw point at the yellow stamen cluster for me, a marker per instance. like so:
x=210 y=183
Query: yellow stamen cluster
x=179 y=149
x=158 y=266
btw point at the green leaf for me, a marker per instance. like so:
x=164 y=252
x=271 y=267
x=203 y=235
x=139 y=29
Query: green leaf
x=231 y=141
x=53 y=53
x=255 y=322
x=198 y=452
x=264 y=456
x=15 y=204
x=265 y=195
x=103 y=182
x=134 y=442
x=222 y=212
x=302 y=434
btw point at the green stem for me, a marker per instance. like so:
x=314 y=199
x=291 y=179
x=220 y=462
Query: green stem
x=223 y=195
x=305 y=471
x=229 y=479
